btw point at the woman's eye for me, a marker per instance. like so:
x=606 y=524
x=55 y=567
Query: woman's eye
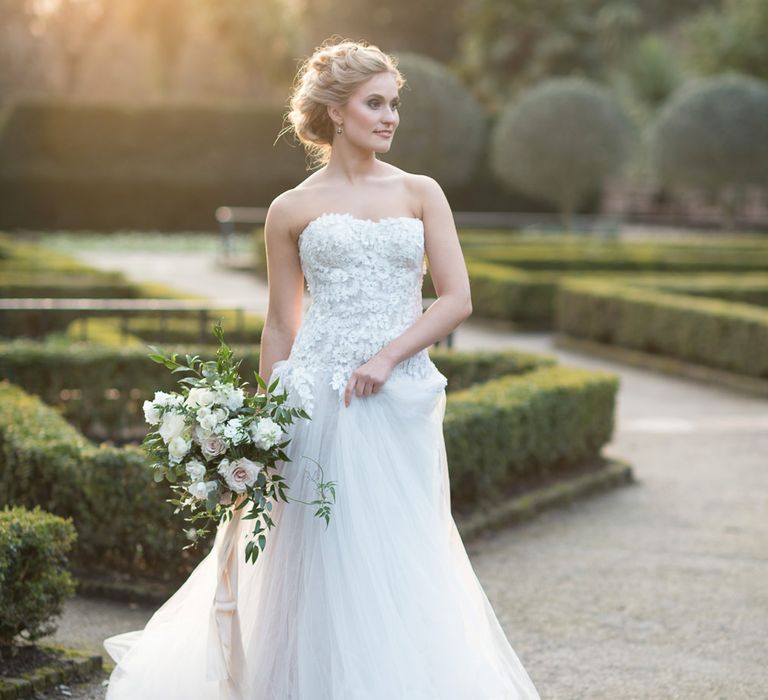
x=375 y=103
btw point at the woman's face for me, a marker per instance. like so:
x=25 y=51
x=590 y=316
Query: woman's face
x=371 y=116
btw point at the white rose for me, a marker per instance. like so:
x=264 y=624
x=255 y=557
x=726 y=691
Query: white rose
x=221 y=414
x=201 y=489
x=207 y=419
x=178 y=447
x=162 y=398
x=195 y=469
x=199 y=434
x=171 y=427
x=151 y=413
x=265 y=433
x=239 y=474
x=200 y=396
x=212 y=446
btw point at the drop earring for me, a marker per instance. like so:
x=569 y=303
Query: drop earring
x=339 y=129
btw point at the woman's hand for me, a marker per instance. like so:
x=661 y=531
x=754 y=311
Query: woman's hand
x=368 y=378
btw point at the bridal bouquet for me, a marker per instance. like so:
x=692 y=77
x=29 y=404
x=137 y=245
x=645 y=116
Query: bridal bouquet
x=218 y=445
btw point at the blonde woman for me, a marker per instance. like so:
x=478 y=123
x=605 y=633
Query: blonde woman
x=383 y=604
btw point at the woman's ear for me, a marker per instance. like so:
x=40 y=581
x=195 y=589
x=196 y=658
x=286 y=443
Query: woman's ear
x=335 y=114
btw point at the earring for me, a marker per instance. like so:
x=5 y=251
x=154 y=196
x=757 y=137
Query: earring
x=339 y=129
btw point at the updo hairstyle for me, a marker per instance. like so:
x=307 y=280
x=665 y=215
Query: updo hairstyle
x=330 y=76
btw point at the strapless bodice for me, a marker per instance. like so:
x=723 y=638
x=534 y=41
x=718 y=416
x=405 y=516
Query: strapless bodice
x=365 y=279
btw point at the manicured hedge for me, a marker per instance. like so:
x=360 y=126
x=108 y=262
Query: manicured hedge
x=748 y=288
x=120 y=514
x=34 y=285
x=103 y=165
x=16 y=256
x=726 y=335
x=153 y=328
x=498 y=433
x=34 y=580
x=517 y=430
x=100 y=390
x=578 y=254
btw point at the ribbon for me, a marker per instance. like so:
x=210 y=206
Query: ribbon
x=226 y=657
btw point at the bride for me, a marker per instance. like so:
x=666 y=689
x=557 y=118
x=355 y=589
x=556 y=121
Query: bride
x=383 y=603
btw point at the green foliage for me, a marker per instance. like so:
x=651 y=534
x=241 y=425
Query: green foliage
x=732 y=37
x=442 y=128
x=100 y=390
x=164 y=165
x=560 y=142
x=34 y=580
x=428 y=26
x=44 y=461
x=154 y=327
x=711 y=332
x=516 y=278
x=261 y=36
x=653 y=70
x=557 y=253
x=713 y=136
x=509 y=45
x=519 y=429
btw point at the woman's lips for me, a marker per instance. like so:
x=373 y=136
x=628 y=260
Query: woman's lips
x=385 y=134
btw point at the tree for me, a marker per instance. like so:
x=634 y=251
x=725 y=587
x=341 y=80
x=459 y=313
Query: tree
x=260 y=35
x=71 y=27
x=508 y=45
x=21 y=65
x=713 y=136
x=427 y=27
x=442 y=129
x=165 y=23
x=560 y=141
x=734 y=37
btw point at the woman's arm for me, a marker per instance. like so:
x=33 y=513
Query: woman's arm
x=285 y=280
x=451 y=281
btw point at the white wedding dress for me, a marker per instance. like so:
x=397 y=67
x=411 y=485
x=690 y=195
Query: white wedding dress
x=383 y=603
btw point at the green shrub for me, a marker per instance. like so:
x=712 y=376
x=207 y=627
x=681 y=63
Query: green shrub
x=721 y=334
x=442 y=130
x=560 y=142
x=46 y=284
x=517 y=430
x=100 y=390
x=77 y=164
x=653 y=70
x=591 y=255
x=44 y=461
x=712 y=136
x=34 y=580
x=154 y=327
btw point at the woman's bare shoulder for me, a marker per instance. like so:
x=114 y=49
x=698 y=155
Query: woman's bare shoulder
x=291 y=209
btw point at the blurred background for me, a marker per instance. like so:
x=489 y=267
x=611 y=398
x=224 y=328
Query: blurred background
x=607 y=165
x=151 y=113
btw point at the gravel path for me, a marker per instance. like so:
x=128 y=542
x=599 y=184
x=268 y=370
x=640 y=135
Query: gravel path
x=655 y=590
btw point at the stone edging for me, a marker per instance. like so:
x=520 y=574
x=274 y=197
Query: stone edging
x=73 y=666
x=526 y=506
x=665 y=364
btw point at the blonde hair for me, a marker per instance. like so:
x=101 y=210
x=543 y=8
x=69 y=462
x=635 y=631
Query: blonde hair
x=330 y=76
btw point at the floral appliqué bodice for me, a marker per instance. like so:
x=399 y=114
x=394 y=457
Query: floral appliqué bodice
x=365 y=279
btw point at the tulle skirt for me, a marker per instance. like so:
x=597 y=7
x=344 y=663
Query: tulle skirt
x=380 y=604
